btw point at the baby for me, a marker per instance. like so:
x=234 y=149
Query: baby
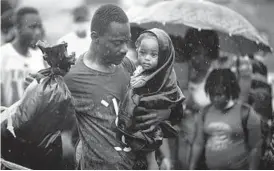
x=152 y=86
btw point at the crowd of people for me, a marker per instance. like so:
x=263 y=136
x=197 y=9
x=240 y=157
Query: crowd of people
x=143 y=105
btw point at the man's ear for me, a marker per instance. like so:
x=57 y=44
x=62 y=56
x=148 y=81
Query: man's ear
x=94 y=36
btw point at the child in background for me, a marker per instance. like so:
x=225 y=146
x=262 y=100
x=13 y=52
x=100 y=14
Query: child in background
x=152 y=86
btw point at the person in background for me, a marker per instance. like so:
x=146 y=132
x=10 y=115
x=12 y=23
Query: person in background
x=7 y=27
x=7 y=21
x=228 y=131
x=18 y=58
x=242 y=67
x=79 y=40
x=181 y=64
x=260 y=98
x=260 y=93
x=201 y=49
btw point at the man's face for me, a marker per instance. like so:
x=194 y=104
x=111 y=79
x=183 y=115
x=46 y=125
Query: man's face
x=113 y=44
x=30 y=29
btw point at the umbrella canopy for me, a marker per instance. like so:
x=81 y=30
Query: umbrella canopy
x=236 y=34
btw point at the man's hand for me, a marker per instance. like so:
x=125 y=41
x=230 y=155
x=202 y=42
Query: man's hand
x=29 y=79
x=32 y=76
x=148 y=119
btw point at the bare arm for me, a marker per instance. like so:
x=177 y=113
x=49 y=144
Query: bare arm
x=254 y=139
x=165 y=151
x=198 y=145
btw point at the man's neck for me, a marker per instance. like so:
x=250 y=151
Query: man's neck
x=21 y=48
x=92 y=60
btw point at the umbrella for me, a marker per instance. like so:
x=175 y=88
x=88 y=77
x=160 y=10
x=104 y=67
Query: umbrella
x=236 y=34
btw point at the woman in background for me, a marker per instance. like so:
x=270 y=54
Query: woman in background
x=228 y=131
x=201 y=49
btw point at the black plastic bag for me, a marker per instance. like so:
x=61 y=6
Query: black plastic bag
x=31 y=128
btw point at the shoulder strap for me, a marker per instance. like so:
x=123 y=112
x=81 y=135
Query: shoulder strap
x=204 y=111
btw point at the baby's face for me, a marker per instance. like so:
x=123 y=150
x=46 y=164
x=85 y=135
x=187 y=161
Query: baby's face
x=148 y=53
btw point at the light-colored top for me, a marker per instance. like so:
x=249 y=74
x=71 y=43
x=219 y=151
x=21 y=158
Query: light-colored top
x=76 y=44
x=226 y=145
x=14 y=69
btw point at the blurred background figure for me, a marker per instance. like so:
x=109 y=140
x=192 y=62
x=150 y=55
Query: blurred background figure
x=260 y=94
x=7 y=21
x=7 y=30
x=18 y=58
x=201 y=50
x=228 y=134
x=242 y=67
x=79 y=40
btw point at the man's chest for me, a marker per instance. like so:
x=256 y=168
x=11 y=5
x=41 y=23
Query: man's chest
x=98 y=98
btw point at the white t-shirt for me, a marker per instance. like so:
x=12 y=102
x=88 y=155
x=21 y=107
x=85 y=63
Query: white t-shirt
x=76 y=44
x=197 y=90
x=198 y=93
x=14 y=69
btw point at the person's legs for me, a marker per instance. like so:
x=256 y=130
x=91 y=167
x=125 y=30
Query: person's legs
x=173 y=144
x=151 y=161
x=78 y=153
x=185 y=139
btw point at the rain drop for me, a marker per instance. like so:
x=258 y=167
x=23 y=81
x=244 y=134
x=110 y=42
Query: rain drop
x=164 y=23
x=230 y=34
